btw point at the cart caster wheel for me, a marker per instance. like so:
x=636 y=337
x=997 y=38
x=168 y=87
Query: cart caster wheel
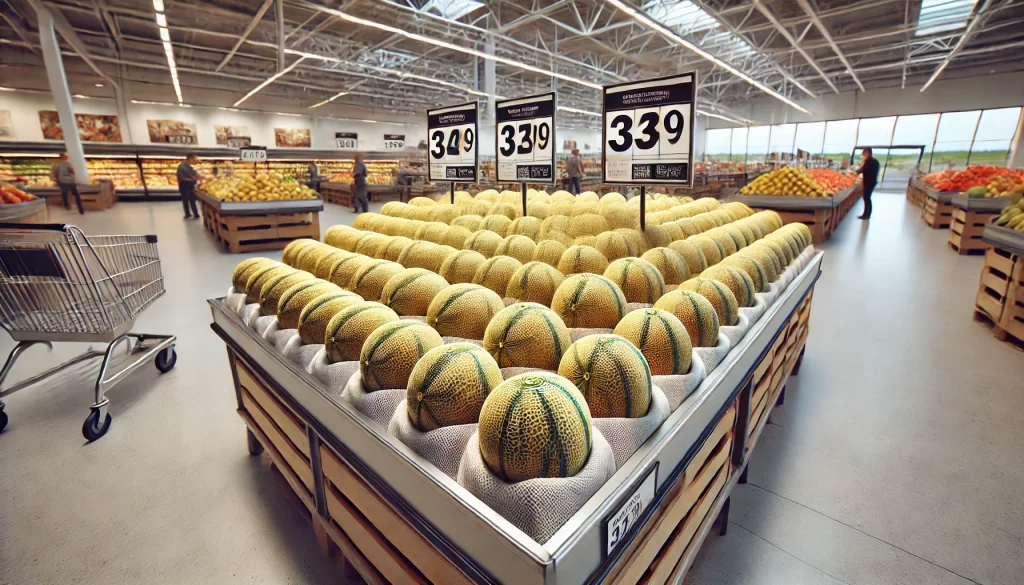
x=3 y=420
x=92 y=429
x=166 y=359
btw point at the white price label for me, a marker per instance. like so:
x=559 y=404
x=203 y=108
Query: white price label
x=526 y=139
x=452 y=143
x=394 y=142
x=253 y=154
x=621 y=522
x=347 y=142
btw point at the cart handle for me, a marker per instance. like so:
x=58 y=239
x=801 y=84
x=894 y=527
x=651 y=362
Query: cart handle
x=55 y=227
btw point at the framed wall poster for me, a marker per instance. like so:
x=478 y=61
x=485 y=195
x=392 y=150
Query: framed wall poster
x=172 y=132
x=292 y=137
x=225 y=132
x=568 y=145
x=647 y=133
x=525 y=139
x=91 y=127
x=452 y=147
x=6 y=125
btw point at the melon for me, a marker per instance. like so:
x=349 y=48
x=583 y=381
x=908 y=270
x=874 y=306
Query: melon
x=369 y=280
x=433 y=231
x=496 y=272
x=409 y=291
x=349 y=328
x=470 y=222
x=322 y=269
x=317 y=314
x=293 y=248
x=341 y=271
x=696 y=313
x=496 y=223
x=720 y=296
x=524 y=226
x=738 y=282
x=461 y=266
x=656 y=236
x=371 y=244
x=526 y=335
x=245 y=269
x=519 y=247
x=337 y=235
x=534 y=282
x=781 y=247
x=463 y=310
x=273 y=289
x=661 y=337
x=484 y=242
x=549 y=252
x=692 y=255
x=449 y=385
x=295 y=299
x=752 y=267
x=669 y=263
x=455 y=236
x=589 y=301
x=421 y=254
x=392 y=350
x=260 y=276
x=711 y=249
x=579 y=259
x=638 y=279
x=535 y=425
x=611 y=374
x=309 y=256
x=766 y=257
x=613 y=245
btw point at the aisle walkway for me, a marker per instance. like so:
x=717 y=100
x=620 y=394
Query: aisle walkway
x=898 y=456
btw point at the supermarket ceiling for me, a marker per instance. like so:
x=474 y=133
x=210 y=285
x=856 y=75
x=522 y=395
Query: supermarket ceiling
x=403 y=56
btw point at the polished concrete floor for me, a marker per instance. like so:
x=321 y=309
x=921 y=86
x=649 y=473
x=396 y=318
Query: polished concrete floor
x=897 y=458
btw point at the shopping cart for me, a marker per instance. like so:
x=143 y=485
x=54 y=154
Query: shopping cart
x=57 y=284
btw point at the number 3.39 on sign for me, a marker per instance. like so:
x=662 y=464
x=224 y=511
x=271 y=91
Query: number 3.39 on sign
x=452 y=142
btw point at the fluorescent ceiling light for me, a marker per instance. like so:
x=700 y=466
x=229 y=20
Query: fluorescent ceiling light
x=165 y=38
x=99 y=85
x=269 y=80
x=80 y=96
x=7 y=89
x=161 y=19
x=164 y=34
x=288 y=114
x=329 y=100
x=721 y=117
x=672 y=36
x=158 y=5
x=229 y=109
x=577 y=111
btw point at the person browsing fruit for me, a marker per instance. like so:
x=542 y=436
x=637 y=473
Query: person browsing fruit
x=63 y=174
x=359 y=199
x=574 y=168
x=187 y=179
x=869 y=168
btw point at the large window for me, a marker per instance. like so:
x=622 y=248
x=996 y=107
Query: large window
x=810 y=136
x=757 y=143
x=914 y=131
x=718 y=144
x=739 y=145
x=782 y=138
x=996 y=130
x=840 y=138
x=953 y=139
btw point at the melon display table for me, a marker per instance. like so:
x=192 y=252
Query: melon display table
x=260 y=225
x=821 y=214
x=393 y=517
x=970 y=216
x=97 y=197
x=28 y=212
x=999 y=304
x=341 y=193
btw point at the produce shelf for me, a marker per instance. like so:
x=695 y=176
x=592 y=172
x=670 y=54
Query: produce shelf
x=260 y=207
x=33 y=211
x=1005 y=238
x=413 y=523
x=980 y=204
x=821 y=214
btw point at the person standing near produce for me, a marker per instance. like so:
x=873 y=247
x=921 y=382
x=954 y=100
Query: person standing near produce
x=869 y=168
x=574 y=168
x=359 y=199
x=63 y=174
x=187 y=179
x=314 y=176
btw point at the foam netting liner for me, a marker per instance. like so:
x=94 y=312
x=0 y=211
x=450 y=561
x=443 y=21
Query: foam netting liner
x=712 y=356
x=630 y=307
x=511 y=371
x=278 y=337
x=578 y=333
x=334 y=376
x=302 y=353
x=450 y=340
x=379 y=405
x=442 y=447
x=235 y=301
x=250 y=313
x=538 y=507
x=417 y=318
x=625 y=435
x=263 y=322
x=679 y=387
x=754 y=313
x=734 y=333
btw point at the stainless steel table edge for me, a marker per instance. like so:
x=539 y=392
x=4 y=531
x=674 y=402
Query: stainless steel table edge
x=786 y=202
x=261 y=207
x=1004 y=238
x=984 y=204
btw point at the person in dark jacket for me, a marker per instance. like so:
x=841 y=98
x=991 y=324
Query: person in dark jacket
x=63 y=174
x=187 y=179
x=359 y=199
x=869 y=168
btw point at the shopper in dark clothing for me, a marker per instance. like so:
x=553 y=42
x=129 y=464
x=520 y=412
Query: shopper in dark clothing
x=314 y=176
x=359 y=200
x=63 y=174
x=869 y=168
x=574 y=168
x=187 y=179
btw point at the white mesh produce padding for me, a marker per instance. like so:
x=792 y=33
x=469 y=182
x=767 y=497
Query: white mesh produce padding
x=734 y=333
x=577 y=333
x=442 y=446
x=417 y=318
x=754 y=313
x=677 y=388
x=235 y=302
x=450 y=340
x=509 y=301
x=625 y=435
x=805 y=257
x=772 y=295
x=334 y=376
x=279 y=337
x=712 y=356
x=507 y=373
x=250 y=313
x=379 y=405
x=301 y=353
x=630 y=307
x=263 y=323
x=538 y=507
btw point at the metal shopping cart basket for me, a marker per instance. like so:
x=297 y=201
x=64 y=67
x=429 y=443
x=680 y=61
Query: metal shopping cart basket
x=57 y=284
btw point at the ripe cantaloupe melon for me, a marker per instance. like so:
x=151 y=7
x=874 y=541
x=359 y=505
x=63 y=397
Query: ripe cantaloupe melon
x=535 y=425
x=369 y=280
x=613 y=245
x=696 y=313
x=393 y=250
x=636 y=239
x=246 y=268
x=371 y=244
x=433 y=231
x=295 y=299
x=392 y=350
x=317 y=314
x=638 y=279
x=787 y=240
x=661 y=337
x=341 y=270
x=739 y=240
x=656 y=236
x=463 y=310
x=261 y=276
x=496 y=272
x=455 y=236
x=470 y=222
x=409 y=291
x=309 y=256
x=752 y=267
x=674 y=231
x=781 y=247
x=524 y=226
x=483 y=241
x=712 y=251
x=322 y=269
x=349 y=328
x=293 y=248
x=461 y=266
x=496 y=223
x=724 y=241
x=336 y=235
x=738 y=282
x=526 y=335
x=579 y=259
x=721 y=298
x=534 y=282
x=766 y=256
x=274 y=288
x=519 y=247
x=549 y=252
x=449 y=385
x=589 y=301
x=587 y=224
x=611 y=374
x=422 y=255
x=669 y=263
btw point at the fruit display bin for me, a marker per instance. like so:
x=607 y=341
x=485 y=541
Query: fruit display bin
x=260 y=225
x=28 y=212
x=971 y=216
x=394 y=517
x=936 y=206
x=821 y=214
x=916 y=191
x=96 y=197
x=999 y=304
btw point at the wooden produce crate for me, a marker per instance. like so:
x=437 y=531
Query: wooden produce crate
x=337 y=193
x=970 y=216
x=94 y=197
x=916 y=191
x=260 y=225
x=1011 y=323
x=999 y=304
x=996 y=276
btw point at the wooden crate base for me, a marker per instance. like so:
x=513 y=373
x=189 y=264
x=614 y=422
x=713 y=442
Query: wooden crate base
x=965 y=230
x=253 y=233
x=936 y=215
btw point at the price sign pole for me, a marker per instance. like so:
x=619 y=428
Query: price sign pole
x=525 y=140
x=452 y=144
x=648 y=133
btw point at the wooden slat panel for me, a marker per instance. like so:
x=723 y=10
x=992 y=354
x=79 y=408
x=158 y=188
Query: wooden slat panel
x=352 y=555
x=299 y=464
x=279 y=460
x=285 y=419
x=391 y=525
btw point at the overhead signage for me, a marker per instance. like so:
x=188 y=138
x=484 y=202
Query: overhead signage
x=648 y=131
x=238 y=141
x=452 y=144
x=180 y=138
x=253 y=154
x=394 y=142
x=525 y=139
x=347 y=140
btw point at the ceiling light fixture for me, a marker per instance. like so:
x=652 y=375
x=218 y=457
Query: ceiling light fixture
x=329 y=100
x=578 y=111
x=165 y=38
x=158 y=5
x=99 y=85
x=269 y=80
x=7 y=89
x=672 y=36
x=721 y=117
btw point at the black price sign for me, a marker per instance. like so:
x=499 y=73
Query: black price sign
x=452 y=144
x=347 y=140
x=525 y=144
x=394 y=142
x=648 y=131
